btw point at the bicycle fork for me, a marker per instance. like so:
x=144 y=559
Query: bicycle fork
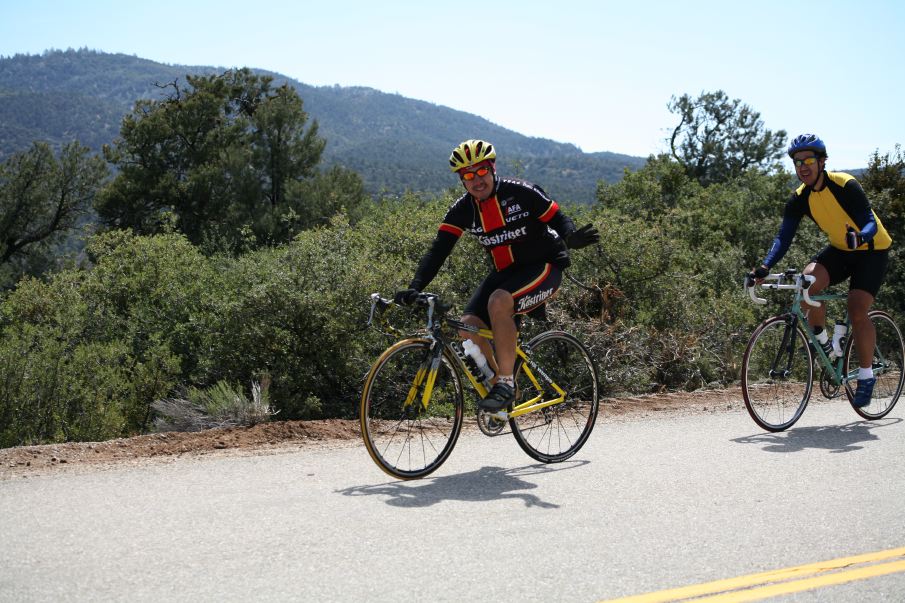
x=786 y=352
x=426 y=376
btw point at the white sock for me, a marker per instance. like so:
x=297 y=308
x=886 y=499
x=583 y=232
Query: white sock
x=865 y=373
x=507 y=379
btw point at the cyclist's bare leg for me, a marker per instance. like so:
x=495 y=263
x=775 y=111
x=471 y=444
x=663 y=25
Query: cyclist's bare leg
x=859 y=303
x=482 y=342
x=816 y=315
x=501 y=308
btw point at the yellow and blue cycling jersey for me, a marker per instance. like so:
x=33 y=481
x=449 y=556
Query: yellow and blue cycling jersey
x=840 y=204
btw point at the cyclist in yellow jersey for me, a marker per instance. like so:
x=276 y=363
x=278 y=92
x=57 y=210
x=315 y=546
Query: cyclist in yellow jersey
x=858 y=247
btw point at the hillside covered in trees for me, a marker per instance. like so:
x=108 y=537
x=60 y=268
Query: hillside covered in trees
x=83 y=95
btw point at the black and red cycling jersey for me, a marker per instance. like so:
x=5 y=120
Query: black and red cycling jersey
x=517 y=225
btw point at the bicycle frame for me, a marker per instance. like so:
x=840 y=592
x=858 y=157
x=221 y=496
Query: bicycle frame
x=800 y=285
x=427 y=373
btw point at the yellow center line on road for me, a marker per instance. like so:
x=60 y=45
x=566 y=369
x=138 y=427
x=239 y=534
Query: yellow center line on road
x=781 y=581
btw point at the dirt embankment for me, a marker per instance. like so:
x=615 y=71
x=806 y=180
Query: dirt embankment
x=24 y=461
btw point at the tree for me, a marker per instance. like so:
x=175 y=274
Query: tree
x=884 y=183
x=221 y=160
x=41 y=199
x=718 y=139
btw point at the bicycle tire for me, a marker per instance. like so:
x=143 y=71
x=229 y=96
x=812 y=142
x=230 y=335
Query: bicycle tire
x=555 y=433
x=775 y=402
x=887 y=364
x=410 y=442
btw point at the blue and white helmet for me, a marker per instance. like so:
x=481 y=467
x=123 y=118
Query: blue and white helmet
x=807 y=142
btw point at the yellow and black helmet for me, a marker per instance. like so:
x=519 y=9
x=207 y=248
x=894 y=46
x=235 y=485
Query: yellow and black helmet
x=471 y=152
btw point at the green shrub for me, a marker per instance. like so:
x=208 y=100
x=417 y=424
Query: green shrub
x=221 y=405
x=96 y=352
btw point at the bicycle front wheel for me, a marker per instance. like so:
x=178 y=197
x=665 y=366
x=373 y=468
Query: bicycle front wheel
x=886 y=363
x=554 y=433
x=777 y=373
x=403 y=437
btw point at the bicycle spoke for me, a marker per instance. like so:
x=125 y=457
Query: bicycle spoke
x=554 y=433
x=777 y=374
x=887 y=364
x=409 y=440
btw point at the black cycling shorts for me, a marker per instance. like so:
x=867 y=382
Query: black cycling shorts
x=866 y=268
x=531 y=287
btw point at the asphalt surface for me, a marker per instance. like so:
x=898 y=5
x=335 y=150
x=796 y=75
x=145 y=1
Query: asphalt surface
x=649 y=504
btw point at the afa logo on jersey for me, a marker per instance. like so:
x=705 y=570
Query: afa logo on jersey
x=514 y=212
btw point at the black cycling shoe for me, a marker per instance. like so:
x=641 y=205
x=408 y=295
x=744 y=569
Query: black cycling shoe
x=498 y=398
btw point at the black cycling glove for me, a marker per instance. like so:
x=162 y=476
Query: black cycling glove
x=584 y=236
x=406 y=297
x=761 y=271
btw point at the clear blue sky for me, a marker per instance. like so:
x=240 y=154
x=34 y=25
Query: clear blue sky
x=598 y=74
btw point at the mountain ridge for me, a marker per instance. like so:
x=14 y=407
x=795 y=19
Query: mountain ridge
x=395 y=143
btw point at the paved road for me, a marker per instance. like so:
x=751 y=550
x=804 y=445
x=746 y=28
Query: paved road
x=648 y=504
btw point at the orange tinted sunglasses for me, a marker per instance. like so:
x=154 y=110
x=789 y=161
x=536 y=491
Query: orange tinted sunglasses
x=481 y=171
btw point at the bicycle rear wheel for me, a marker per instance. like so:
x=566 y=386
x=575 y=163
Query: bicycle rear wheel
x=555 y=433
x=777 y=373
x=887 y=365
x=409 y=441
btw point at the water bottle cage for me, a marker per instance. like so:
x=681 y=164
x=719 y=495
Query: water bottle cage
x=840 y=335
x=470 y=364
x=473 y=368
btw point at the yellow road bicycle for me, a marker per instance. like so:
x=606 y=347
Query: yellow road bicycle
x=412 y=406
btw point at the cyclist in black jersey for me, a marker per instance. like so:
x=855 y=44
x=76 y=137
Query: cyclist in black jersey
x=858 y=247
x=527 y=237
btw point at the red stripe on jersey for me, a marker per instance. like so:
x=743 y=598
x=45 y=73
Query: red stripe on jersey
x=551 y=211
x=502 y=257
x=535 y=283
x=453 y=230
x=491 y=215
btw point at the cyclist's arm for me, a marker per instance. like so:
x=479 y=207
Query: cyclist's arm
x=790 y=221
x=562 y=224
x=550 y=214
x=860 y=211
x=432 y=261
